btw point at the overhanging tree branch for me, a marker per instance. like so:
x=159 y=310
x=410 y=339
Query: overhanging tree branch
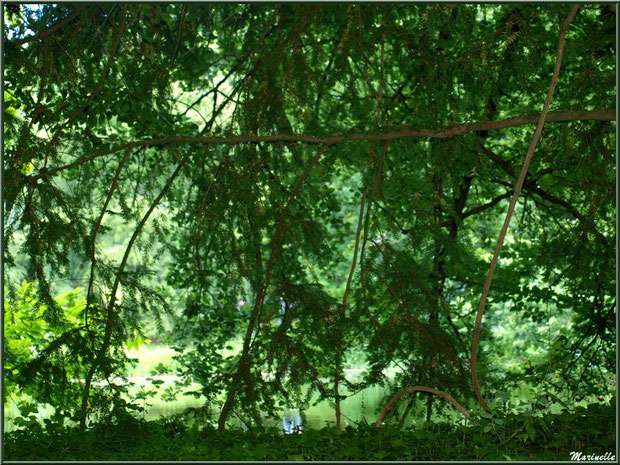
x=485 y=206
x=531 y=185
x=96 y=90
x=61 y=340
x=404 y=133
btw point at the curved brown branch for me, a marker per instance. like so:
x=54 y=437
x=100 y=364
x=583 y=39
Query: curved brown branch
x=452 y=131
x=410 y=389
x=513 y=202
x=57 y=25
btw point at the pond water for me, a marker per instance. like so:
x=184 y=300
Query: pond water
x=362 y=406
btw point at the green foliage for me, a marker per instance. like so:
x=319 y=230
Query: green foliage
x=36 y=362
x=199 y=170
x=551 y=437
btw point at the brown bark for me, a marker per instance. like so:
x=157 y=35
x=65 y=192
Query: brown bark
x=513 y=202
x=410 y=405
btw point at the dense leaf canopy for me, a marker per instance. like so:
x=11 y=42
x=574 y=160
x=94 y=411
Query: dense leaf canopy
x=310 y=182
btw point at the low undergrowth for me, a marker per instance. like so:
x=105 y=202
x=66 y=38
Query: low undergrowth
x=589 y=430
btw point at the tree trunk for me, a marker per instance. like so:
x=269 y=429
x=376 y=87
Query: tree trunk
x=243 y=365
x=407 y=410
x=228 y=405
x=336 y=392
x=429 y=408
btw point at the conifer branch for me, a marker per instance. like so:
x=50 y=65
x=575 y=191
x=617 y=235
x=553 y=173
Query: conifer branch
x=110 y=314
x=242 y=365
x=357 y=243
x=97 y=88
x=93 y=237
x=485 y=206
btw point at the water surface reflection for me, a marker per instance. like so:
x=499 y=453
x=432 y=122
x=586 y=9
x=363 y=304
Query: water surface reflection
x=291 y=421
